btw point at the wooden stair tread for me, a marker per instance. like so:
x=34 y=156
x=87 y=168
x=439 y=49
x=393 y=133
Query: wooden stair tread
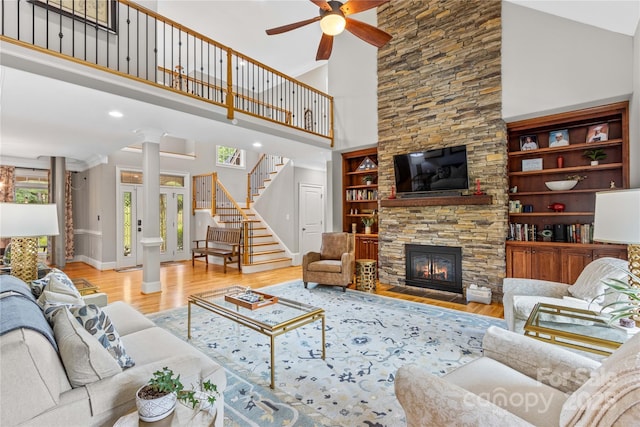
x=273 y=251
x=265 y=244
x=270 y=261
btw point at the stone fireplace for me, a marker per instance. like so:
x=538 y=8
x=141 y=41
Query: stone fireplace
x=434 y=267
x=439 y=85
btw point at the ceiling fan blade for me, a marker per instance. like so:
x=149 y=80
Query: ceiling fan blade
x=324 y=49
x=368 y=33
x=322 y=4
x=289 y=27
x=356 y=6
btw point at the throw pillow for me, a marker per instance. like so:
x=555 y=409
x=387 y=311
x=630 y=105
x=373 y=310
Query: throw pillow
x=38 y=286
x=589 y=284
x=84 y=359
x=98 y=324
x=57 y=293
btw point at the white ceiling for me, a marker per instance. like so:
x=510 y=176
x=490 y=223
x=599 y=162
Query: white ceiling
x=45 y=117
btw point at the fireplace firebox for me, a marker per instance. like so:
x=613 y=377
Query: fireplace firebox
x=434 y=267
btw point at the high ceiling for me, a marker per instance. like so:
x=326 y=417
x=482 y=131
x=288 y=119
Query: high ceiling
x=37 y=121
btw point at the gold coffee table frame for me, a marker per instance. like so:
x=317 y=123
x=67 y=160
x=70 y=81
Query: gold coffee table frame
x=214 y=302
x=574 y=328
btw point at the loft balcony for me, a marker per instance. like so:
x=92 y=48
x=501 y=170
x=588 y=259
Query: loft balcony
x=127 y=40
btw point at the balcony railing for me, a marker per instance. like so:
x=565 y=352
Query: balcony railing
x=126 y=39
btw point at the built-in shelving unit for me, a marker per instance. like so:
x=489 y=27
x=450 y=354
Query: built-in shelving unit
x=562 y=256
x=360 y=199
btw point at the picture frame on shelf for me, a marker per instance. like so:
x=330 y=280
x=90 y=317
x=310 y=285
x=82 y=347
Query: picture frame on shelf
x=598 y=133
x=528 y=142
x=532 y=164
x=559 y=138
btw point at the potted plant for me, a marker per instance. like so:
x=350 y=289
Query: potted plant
x=157 y=399
x=628 y=308
x=368 y=221
x=368 y=179
x=595 y=155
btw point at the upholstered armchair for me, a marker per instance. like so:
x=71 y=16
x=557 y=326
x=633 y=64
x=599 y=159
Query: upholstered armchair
x=521 y=295
x=334 y=264
x=521 y=381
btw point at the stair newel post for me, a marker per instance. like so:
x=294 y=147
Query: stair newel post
x=214 y=188
x=245 y=242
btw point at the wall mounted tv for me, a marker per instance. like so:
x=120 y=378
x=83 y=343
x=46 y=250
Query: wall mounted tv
x=442 y=171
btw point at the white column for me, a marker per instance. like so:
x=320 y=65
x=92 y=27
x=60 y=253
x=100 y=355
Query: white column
x=151 y=239
x=58 y=196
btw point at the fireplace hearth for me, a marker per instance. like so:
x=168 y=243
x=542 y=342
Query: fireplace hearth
x=434 y=267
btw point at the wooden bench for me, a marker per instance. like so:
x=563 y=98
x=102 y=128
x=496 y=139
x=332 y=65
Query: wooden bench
x=220 y=242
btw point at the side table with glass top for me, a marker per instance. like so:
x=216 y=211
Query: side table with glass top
x=575 y=328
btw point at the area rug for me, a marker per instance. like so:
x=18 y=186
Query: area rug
x=368 y=337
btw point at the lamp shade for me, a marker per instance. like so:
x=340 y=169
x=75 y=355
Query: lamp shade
x=28 y=220
x=617 y=217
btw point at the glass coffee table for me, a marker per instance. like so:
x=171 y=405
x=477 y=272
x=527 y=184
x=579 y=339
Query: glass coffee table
x=575 y=328
x=270 y=318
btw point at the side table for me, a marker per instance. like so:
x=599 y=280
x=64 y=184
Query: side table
x=181 y=416
x=366 y=275
x=84 y=286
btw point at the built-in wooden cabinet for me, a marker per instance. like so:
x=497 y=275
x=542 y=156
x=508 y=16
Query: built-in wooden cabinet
x=563 y=255
x=360 y=199
x=555 y=261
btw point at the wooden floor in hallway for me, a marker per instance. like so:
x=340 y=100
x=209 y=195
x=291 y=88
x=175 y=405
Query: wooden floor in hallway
x=180 y=279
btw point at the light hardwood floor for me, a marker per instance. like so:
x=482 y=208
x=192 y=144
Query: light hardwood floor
x=179 y=280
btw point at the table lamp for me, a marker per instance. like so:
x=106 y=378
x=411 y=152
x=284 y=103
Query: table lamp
x=617 y=220
x=25 y=223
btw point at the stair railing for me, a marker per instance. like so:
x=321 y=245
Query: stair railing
x=129 y=40
x=266 y=166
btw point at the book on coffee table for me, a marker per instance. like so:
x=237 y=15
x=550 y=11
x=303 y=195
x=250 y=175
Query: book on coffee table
x=252 y=299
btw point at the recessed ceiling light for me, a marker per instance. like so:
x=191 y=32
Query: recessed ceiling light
x=116 y=114
x=257 y=144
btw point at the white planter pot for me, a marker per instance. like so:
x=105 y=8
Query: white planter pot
x=155 y=409
x=594 y=163
x=367 y=230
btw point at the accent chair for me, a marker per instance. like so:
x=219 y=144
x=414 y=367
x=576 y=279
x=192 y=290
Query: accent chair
x=521 y=295
x=334 y=264
x=521 y=381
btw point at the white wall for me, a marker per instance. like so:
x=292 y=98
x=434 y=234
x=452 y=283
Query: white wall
x=353 y=82
x=551 y=64
x=634 y=115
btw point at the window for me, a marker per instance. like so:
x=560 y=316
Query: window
x=228 y=156
x=32 y=186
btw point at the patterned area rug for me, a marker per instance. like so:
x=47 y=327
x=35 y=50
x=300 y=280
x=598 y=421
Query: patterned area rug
x=368 y=337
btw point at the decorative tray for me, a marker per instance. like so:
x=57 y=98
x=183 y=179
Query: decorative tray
x=252 y=299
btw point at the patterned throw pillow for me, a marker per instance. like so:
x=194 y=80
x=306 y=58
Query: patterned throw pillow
x=57 y=294
x=38 y=286
x=98 y=324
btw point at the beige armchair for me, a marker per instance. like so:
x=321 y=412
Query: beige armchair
x=521 y=381
x=521 y=295
x=334 y=264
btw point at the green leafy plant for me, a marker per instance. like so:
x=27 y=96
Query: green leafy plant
x=368 y=221
x=164 y=382
x=625 y=308
x=367 y=178
x=597 y=154
x=576 y=177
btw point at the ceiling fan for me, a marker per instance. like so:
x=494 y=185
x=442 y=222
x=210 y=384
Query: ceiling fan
x=334 y=18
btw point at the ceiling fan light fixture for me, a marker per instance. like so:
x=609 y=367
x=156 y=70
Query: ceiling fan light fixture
x=333 y=23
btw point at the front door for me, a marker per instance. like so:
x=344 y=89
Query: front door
x=174 y=222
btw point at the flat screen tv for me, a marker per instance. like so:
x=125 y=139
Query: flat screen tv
x=443 y=170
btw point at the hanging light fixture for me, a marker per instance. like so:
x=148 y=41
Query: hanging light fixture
x=333 y=21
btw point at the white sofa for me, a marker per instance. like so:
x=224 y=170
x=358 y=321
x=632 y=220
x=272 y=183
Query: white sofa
x=521 y=295
x=521 y=381
x=36 y=390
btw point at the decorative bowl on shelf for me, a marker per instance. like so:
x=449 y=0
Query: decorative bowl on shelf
x=565 y=185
